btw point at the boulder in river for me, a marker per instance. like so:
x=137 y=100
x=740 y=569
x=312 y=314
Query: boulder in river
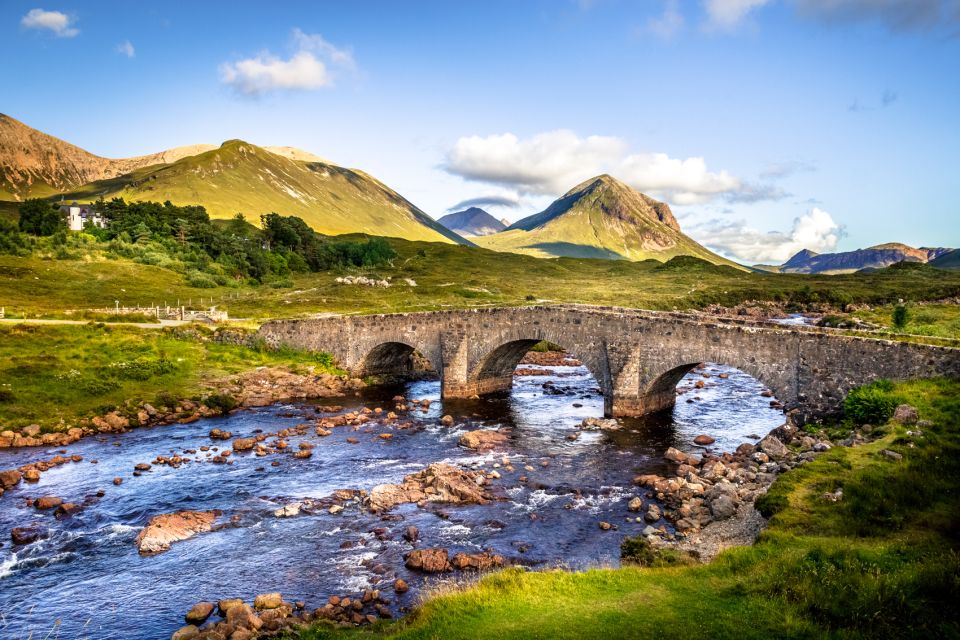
x=477 y=561
x=9 y=479
x=243 y=444
x=482 y=439
x=26 y=535
x=704 y=440
x=437 y=483
x=47 y=502
x=165 y=529
x=199 y=613
x=268 y=600
x=428 y=560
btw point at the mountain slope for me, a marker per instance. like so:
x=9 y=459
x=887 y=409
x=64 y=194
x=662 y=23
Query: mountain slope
x=235 y=177
x=947 y=260
x=242 y=177
x=601 y=218
x=472 y=222
x=876 y=257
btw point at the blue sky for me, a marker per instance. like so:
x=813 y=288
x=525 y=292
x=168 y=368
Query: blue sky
x=769 y=125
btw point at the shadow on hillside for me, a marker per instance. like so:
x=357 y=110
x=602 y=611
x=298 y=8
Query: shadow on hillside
x=571 y=250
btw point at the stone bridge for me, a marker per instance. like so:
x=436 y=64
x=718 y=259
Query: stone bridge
x=637 y=357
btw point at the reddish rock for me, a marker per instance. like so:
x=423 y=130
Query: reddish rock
x=47 y=502
x=437 y=483
x=482 y=439
x=477 y=561
x=244 y=444
x=704 y=440
x=25 y=535
x=164 y=530
x=428 y=560
x=9 y=479
x=199 y=613
x=400 y=585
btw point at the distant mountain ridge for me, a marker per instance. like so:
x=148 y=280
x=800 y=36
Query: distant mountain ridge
x=601 y=218
x=472 y=222
x=876 y=257
x=236 y=177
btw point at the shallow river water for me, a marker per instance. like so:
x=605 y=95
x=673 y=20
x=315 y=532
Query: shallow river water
x=86 y=579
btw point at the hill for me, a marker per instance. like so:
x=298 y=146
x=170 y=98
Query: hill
x=948 y=260
x=472 y=222
x=242 y=177
x=601 y=218
x=876 y=257
x=235 y=177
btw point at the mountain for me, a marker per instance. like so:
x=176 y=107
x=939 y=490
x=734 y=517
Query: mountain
x=472 y=222
x=601 y=218
x=235 y=177
x=948 y=260
x=876 y=257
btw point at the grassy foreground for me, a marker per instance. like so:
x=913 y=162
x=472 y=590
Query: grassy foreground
x=882 y=562
x=53 y=374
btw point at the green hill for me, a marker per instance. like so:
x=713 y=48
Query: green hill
x=601 y=218
x=242 y=177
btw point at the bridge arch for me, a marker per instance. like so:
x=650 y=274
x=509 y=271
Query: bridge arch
x=495 y=367
x=390 y=358
x=660 y=393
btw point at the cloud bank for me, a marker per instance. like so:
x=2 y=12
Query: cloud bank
x=309 y=68
x=57 y=22
x=552 y=162
x=815 y=230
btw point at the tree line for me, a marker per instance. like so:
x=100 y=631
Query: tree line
x=170 y=235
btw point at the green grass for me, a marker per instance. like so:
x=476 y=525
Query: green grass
x=448 y=277
x=935 y=320
x=881 y=563
x=54 y=374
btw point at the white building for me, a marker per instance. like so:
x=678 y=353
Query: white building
x=78 y=215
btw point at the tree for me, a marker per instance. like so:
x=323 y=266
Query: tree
x=900 y=317
x=41 y=218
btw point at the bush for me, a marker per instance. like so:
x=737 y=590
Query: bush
x=900 y=317
x=200 y=280
x=871 y=404
x=638 y=551
x=222 y=402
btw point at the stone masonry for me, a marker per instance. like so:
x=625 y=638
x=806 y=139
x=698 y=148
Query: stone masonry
x=637 y=357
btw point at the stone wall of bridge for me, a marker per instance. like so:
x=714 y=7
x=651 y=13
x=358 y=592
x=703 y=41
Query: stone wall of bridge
x=637 y=357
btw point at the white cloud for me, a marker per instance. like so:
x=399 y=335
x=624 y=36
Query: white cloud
x=126 y=48
x=815 y=230
x=307 y=69
x=552 y=162
x=668 y=23
x=56 y=21
x=316 y=42
x=728 y=14
x=897 y=15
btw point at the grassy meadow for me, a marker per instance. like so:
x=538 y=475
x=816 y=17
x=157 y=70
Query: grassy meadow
x=53 y=374
x=881 y=563
x=86 y=274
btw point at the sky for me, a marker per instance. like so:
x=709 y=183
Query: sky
x=769 y=126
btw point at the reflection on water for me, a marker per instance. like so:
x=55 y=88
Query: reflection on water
x=87 y=573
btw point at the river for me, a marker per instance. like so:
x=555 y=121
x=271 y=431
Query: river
x=86 y=579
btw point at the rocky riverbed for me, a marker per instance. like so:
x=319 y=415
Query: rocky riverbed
x=346 y=508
